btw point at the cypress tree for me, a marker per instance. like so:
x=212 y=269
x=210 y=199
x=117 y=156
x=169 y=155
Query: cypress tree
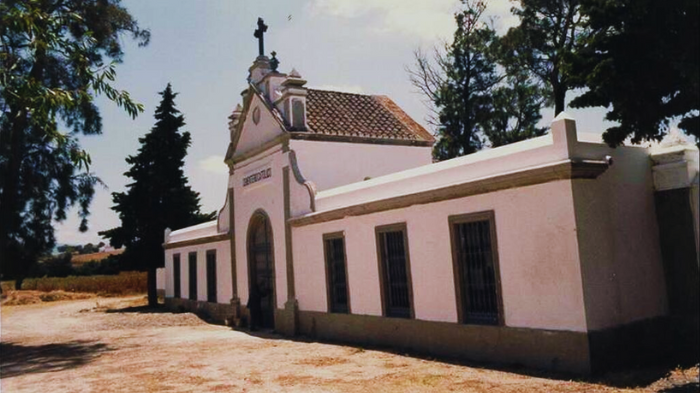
x=159 y=196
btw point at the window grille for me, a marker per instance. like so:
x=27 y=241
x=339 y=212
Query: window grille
x=193 y=275
x=477 y=273
x=336 y=269
x=176 y=275
x=395 y=273
x=211 y=276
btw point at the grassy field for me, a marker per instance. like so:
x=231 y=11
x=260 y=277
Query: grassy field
x=123 y=284
x=98 y=256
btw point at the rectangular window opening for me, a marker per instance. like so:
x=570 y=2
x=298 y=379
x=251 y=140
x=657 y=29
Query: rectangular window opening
x=336 y=273
x=193 y=275
x=211 y=276
x=476 y=269
x=395 y=271
x=298 y=115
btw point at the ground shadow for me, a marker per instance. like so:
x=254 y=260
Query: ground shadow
x=26 y=359
x=633 y=377
x=145 y=309
x=630 y=378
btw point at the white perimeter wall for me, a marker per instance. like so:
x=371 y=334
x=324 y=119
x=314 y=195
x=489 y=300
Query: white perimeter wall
x=223 y=271
x=537 y=247
x=623 y=274
x=333 y=164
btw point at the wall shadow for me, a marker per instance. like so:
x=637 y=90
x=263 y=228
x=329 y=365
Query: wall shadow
x=19 y=359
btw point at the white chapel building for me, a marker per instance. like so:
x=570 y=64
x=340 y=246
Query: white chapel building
x=557 y=252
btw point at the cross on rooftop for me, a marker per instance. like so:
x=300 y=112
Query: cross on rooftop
x=262 y=28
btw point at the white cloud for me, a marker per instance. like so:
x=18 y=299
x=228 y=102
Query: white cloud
x=213 y=164
x=426 y=19
x=503 y=18
x=343 y=88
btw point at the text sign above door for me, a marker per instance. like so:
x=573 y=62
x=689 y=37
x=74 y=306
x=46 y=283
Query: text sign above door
x=257 y=176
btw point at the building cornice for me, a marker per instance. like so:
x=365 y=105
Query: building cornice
x=194 y=242
x=561 y=170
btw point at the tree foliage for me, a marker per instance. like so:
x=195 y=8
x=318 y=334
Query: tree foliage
x=516 y=109
x=549 y=32
x=460 y=89
x=641 y=62
x=159 y=197
x=56 y=55
x=478 y=95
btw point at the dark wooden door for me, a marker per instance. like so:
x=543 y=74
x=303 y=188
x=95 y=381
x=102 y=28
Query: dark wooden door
x=262 y=269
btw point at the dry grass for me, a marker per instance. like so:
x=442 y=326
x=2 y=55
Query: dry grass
x=19 y=298
x=98 y=256
x=123 y=284
x=322 y=361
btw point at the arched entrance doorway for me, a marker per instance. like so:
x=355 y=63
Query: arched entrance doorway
x=261 y=272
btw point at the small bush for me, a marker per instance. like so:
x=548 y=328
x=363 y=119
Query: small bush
x=107 y=266
x=55 y=296
x=58 y=266
x=7 y=286
x=122 y=284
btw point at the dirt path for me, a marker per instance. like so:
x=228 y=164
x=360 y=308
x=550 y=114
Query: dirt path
x=95 y=346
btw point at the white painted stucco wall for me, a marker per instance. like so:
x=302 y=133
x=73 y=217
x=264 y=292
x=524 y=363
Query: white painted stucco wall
x=268 y=196
x=223 y=271
x=333 y=164
x=538 y=256
x=619 y=240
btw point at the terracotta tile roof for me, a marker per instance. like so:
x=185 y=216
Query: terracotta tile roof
x=357 y=115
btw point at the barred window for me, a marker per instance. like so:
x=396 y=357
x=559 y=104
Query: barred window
x=193 y=275
x=211 y=276
x=176 y=275
x=395 y=272
x=336 y=273
x=476 y=268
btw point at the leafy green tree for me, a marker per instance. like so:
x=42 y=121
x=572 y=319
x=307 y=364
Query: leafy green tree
x=517 y=105
x=641 y=62
x=56 y=55
x=461 y=85
x=159 y=197
x=549 y=32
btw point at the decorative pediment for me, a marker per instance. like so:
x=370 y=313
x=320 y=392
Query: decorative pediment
x=258 y=125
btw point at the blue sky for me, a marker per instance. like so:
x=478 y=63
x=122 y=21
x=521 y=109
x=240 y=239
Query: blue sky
x=204 y=48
